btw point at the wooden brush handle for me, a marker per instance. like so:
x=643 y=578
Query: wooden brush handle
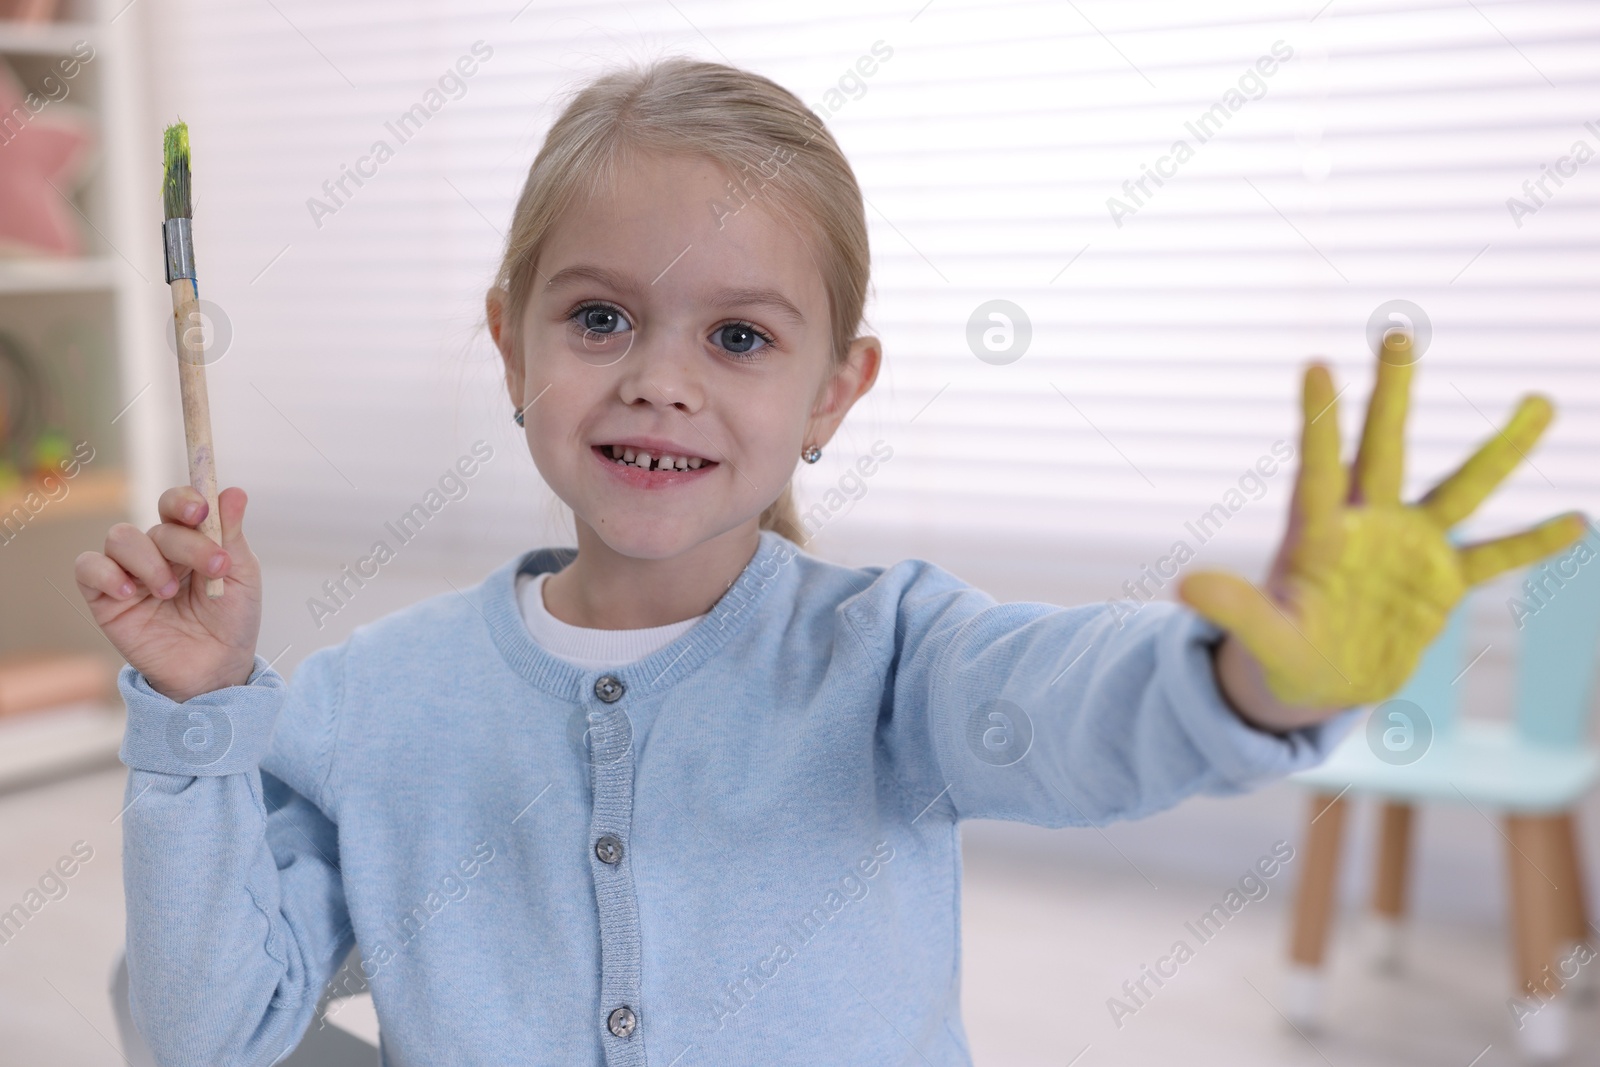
x=186 y=324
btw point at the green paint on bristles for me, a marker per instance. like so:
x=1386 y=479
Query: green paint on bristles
x=175 y=181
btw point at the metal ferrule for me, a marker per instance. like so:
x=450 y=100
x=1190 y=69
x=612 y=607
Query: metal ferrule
x=180 y=249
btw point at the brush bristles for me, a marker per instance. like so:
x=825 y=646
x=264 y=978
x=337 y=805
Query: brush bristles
x=175 y=182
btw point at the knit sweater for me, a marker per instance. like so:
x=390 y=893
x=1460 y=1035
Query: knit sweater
x=740 y=849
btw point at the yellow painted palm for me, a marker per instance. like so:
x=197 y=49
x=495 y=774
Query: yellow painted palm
x=1362 y=582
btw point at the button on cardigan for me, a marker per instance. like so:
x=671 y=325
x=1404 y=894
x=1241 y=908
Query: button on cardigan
x=739 y=849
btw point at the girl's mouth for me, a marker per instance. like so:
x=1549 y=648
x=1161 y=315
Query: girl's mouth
x=662 y=467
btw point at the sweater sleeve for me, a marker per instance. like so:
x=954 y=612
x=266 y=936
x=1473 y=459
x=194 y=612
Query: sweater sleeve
x=1071 y=716
x=236 y=909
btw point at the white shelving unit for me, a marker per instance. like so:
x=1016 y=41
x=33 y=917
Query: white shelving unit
x=109 y=307
x=90 y=274
x=46 y=39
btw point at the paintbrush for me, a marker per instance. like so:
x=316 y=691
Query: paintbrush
x=178 y=237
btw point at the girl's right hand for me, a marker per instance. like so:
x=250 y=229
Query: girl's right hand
x=147 y=593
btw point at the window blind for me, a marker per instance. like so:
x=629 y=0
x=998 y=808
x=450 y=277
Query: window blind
x=1005 y=151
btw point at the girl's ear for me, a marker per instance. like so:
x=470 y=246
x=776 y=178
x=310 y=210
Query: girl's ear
x=843 y=388
x=497 y=312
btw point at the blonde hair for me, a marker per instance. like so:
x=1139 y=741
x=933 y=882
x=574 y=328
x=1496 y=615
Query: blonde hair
x=738 y=120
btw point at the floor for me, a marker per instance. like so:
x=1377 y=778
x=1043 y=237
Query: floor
x=1047 y=946
x=54 y=973
x=1044 y=952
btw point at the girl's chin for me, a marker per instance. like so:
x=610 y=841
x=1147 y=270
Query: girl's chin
x=657 y=536
x=637 y=539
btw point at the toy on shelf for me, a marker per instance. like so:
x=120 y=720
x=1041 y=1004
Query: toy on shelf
x=33 y=446
x=51 y=453
x=44 y=147
x=22 y=403
x=22 y=394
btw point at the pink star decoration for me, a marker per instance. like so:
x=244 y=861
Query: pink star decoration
x=42 y=143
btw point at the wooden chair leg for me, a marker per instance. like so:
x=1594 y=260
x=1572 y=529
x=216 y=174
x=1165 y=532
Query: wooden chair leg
x=1316 y=899
x=1574 y=920
x=1569 y=876
x=1391 y=881
x=1540 y=918
x=1394 y=851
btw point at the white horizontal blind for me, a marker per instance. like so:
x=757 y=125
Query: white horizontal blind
x=1375 y=164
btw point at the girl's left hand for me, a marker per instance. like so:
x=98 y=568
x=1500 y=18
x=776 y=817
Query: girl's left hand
x=1363 y=583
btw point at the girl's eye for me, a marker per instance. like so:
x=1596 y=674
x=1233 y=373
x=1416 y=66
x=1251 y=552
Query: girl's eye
x=599 y=318
x=741 y=338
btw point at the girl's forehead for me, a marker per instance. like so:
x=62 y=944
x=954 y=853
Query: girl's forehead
x=694 y=199
x=680 y=230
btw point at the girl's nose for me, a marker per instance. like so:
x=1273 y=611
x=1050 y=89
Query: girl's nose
x=663 y=372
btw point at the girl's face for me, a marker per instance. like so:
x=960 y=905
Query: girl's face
x=672 y=369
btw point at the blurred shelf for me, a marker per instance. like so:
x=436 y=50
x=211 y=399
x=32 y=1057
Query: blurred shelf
x=105 y=290
x=41 y=746
x=90 y=493
x=74 y=275
x=44 y=38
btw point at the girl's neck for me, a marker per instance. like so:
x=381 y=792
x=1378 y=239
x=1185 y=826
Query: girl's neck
x=605 y=590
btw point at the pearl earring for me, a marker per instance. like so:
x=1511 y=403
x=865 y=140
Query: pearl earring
x=811 y=453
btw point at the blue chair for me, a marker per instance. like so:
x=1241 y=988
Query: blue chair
x=1532 y=771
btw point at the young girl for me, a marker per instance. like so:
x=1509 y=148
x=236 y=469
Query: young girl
x=687 y=795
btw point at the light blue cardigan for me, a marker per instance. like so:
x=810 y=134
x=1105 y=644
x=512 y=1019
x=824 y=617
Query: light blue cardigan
x=751 y=846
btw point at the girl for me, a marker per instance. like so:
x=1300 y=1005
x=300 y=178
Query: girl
x=686 y=795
